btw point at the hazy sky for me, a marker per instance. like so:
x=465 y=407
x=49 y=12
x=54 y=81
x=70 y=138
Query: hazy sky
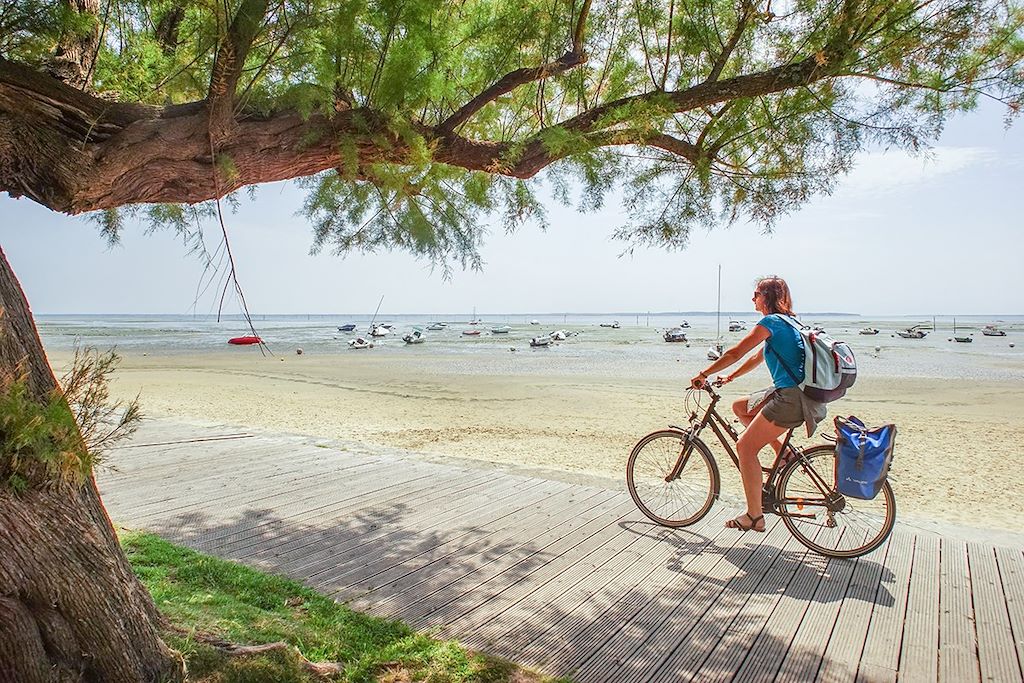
x=900 y=236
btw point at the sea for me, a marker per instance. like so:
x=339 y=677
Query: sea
x=592 y=348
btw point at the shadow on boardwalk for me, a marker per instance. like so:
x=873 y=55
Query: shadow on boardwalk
x=664 y=606
x=570 y=578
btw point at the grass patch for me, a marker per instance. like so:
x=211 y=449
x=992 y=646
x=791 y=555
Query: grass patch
x=204 y=595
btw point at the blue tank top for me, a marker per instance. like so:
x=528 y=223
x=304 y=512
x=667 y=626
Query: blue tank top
x=784 y=344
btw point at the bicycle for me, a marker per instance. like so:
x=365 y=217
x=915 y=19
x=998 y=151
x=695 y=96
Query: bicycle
x=674 y=480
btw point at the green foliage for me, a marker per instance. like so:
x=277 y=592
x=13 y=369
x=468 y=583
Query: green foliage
x=36 y=435
x=202 y=594
x=891 y=74
x=64 y=436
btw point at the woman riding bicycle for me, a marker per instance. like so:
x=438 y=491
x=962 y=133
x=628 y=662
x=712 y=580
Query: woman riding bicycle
x=770 y=412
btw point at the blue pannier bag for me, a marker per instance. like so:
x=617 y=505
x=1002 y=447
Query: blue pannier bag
x=863 y=455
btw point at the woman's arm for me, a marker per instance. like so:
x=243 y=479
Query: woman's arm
x=756 y=335
x=749 y=364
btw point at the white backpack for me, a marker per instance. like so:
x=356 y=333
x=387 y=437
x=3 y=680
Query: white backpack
x=829 y=366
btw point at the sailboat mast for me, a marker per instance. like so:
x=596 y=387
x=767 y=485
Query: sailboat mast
x=377 y=311
x=718 y=317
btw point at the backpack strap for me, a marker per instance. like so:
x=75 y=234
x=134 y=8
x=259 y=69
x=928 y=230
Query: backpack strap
x=796 y=326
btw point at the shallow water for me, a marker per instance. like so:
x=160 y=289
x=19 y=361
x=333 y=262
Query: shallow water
x=635 y=350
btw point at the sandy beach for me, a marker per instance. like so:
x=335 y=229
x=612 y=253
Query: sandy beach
x=959 y=456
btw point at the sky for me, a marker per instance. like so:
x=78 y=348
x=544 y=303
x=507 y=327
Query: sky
x=940 y=235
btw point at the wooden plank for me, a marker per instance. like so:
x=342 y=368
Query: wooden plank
x=409 y=501
x=571 y=639
x=569 y=559
x=957 y=640
x=880 y=660
x=511 y=634
x=769 y=648
x=309 y=559
x=498 y=522
x=1011 y=573
x=997 y=654
x=476 y=554
x=476 y=589
x=846 y=643
x=367 y=508
x=802 y=661
x=729 y=632
x=605 y=643
x=650 y=637
x=919 y=655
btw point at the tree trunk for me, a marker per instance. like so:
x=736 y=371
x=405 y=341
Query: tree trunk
x=70 y=607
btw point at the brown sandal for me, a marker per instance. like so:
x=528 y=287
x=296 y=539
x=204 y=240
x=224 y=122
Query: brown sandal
x=736 y=523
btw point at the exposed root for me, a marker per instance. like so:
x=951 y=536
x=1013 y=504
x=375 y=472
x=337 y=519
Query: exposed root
x=324 y=670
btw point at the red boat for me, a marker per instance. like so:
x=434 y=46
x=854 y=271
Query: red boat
x=242 y=341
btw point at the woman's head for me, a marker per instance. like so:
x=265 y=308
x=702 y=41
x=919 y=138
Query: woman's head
x=771 y=295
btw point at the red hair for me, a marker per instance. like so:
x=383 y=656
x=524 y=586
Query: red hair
x=775 y=292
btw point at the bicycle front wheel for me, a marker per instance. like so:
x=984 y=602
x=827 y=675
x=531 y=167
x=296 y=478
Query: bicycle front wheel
x=825 y=520
x=672 y=478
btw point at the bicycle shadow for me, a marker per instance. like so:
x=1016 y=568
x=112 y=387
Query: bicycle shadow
x=755 y=569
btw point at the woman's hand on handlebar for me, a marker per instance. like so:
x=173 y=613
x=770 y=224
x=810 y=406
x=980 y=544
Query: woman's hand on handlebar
x=701 y=381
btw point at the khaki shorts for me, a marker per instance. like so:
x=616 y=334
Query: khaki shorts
x=787 y=408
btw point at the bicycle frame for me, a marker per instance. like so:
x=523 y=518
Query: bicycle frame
x=726 y=433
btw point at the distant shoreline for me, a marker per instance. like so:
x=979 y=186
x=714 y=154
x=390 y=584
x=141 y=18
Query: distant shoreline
x=944 y=317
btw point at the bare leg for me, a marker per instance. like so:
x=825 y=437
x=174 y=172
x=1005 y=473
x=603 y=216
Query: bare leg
x=746 y=417
x=758 y=434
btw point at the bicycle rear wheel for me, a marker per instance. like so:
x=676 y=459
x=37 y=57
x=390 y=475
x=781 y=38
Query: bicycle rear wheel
x=825 y=520
x=678 y=500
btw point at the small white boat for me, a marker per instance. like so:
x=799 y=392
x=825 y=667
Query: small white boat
x=379 y=331
x=992 y=331
x=737 y=326
x=535 y=322
x=558 y=335
x=360 y=343
x=614 y=325
x=436 y=326
x=685 y=325
x=414 y=337
x=676 y=334
x=503 y=329
x=868 y=330
x=715 y=351
x=541 y=341
x=912 y=333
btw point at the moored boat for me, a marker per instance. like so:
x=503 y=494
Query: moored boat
x=868 y=330
x=541 y=341
x=503 y=329
x=360 y=343
x=244 y=341
x=737 y=326
x=992 y=331
x=414 y=337
x=471 y=333
x=614 y=325
x=914 y=332
x=676 y=334
x=347 y=327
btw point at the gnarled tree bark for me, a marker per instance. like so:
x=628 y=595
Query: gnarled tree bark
x=70 y=607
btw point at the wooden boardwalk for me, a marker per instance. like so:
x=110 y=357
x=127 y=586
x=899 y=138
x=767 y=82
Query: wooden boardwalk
x=571 y=579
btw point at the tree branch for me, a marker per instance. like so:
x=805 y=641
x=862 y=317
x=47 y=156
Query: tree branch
x=510 y=82
x=228 y=64
x=734 y=39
